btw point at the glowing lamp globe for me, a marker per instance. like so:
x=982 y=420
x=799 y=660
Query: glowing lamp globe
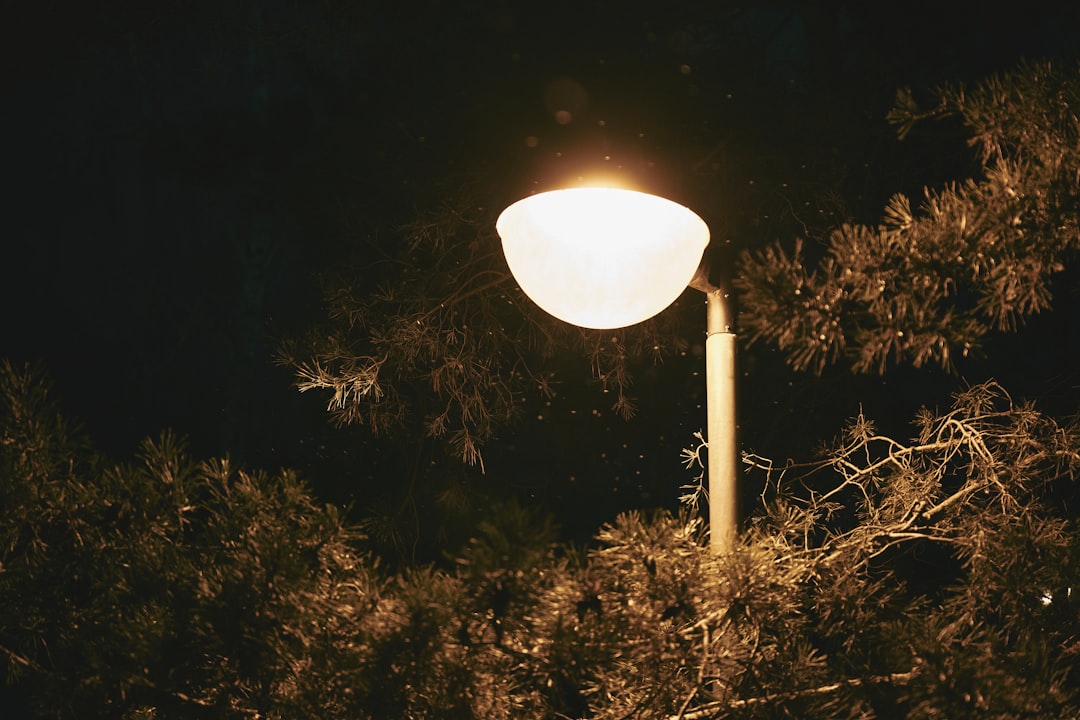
x=601 y=257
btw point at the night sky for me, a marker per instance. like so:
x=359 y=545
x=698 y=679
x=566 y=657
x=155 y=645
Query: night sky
x=180 y=172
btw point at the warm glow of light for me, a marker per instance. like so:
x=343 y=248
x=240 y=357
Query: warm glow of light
x=602 y=257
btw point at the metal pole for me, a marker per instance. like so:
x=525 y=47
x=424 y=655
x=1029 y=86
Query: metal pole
x=722 y=440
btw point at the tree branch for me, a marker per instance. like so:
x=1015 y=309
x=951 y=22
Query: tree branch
x=710 y=709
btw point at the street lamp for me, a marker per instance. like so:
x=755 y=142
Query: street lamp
x=602 y=258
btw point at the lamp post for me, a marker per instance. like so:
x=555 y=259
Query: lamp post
x=606 y=258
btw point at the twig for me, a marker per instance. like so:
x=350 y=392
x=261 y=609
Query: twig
x=709 y=709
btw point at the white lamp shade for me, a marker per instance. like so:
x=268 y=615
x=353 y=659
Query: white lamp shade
x=602 y=257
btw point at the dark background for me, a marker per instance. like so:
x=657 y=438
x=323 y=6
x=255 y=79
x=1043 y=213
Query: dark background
x=180 y=172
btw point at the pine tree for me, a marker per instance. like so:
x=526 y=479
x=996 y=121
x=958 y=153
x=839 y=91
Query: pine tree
x=929 y=576
x=928 y=284
x=164 y=587
x=431 y=341
x=912 y=578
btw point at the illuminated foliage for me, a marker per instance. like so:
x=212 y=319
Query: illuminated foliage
x=193 y=588
x=890 y=579
x=928 y=577
x=933 y=576
x=445 y=344
x=927 y=285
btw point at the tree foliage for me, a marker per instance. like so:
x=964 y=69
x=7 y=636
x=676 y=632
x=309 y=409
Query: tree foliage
x=927 y=577
x=928 y=284
x=436 y=338
x=442 y=342
x=923 y=578
x=932 y=576
x=191 y=587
